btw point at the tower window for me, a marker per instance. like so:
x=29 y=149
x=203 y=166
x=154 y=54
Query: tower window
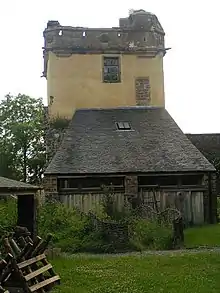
x=123 y=126
x=111 y=69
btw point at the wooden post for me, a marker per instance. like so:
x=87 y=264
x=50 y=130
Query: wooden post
x=26 y=206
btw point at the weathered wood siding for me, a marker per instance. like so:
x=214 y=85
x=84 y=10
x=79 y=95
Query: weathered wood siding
x=191 y=203
x=89 y=201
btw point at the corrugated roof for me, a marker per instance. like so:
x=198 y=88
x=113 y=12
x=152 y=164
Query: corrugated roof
x=92 y=144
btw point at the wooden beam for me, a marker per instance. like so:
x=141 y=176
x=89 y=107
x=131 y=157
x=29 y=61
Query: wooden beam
x=44 y=283
x=31 y=261
x=37 y=272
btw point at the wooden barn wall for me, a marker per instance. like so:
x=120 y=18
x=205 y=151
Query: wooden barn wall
x=191 y=203
x=89 y=201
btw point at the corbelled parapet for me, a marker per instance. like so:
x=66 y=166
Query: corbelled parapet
x=141 y=32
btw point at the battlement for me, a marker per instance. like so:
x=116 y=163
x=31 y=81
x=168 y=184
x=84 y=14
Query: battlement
x=140 y=32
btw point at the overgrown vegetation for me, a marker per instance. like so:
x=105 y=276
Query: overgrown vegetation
x=8 y=215
x=74 y=232
x=152 y=235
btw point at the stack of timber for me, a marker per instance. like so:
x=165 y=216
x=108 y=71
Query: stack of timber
x=25 y=267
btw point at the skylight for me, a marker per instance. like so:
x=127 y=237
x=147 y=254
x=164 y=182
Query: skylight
x=123 y=126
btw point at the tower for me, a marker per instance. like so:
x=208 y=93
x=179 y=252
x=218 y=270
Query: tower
x=104 y=67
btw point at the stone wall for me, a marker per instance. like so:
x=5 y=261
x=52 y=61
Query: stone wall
x=113 y=232
x=50 y=187
x=142 y=87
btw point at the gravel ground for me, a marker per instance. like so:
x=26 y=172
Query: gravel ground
x=144 y=253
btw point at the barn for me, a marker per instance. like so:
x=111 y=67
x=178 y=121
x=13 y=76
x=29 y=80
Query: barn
x=139 y=152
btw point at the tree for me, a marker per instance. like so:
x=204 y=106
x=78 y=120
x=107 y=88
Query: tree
x=22 y=147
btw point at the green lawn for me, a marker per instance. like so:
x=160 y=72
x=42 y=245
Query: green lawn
x=174 y=273
x=203 y=236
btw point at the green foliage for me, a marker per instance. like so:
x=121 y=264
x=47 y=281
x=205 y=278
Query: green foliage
x=66 y=224
x=73 y=232
x=110 y=208
x=8 y=215
x=22 y=146
x=151 y=235
x=59 y=123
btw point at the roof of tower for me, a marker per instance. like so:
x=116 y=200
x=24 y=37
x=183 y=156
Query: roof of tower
x=131 y=139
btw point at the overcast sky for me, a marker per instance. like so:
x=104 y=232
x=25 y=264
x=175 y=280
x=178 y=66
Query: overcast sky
x=192 y=79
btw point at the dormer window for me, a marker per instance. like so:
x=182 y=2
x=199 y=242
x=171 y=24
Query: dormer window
x=123 y=126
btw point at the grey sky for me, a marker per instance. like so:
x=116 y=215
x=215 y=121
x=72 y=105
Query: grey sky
x=191 y=68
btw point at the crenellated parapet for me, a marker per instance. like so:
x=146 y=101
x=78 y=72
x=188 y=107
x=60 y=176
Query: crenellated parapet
x=141 y=33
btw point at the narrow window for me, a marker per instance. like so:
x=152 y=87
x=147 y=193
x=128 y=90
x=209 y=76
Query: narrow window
x=111 y=70
x=123 y=126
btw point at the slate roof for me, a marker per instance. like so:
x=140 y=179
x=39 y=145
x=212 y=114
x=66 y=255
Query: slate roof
x=92 y=144
x=207 y=143
x=9 y=184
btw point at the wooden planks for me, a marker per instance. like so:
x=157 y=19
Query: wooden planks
x=38 y=272
x=31 y=261
x=44 y=283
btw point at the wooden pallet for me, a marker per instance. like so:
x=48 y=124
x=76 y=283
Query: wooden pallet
x=26 y=269
x=36 y=274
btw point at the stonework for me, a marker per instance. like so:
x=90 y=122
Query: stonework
x=50 y=187
x=142 y=87
x=141 y=31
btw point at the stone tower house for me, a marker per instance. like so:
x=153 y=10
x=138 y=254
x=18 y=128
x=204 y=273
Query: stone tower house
x=104 y=67
x=101 y=75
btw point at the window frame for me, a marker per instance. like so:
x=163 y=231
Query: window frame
x=104 y=66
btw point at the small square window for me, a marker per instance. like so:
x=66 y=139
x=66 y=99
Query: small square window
x=111 y=70
x=123 y=125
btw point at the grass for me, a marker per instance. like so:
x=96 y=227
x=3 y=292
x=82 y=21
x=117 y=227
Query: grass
x=208 y=236
x=196 y=273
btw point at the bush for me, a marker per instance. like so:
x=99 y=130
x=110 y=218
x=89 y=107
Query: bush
x=151 y=235
x=74 y=232
x=8 y=215
x=67 y=225
x=110 y=209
